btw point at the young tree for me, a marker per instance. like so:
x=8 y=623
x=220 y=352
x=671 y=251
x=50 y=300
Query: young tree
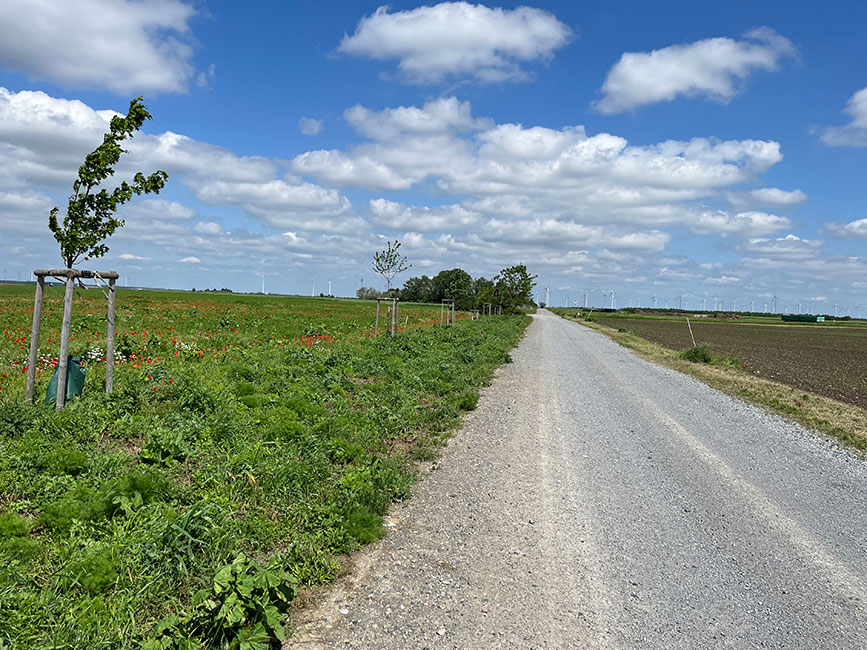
x=389 y=263
x=90 y=214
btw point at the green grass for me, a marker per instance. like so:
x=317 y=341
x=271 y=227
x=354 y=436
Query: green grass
x=249 y=442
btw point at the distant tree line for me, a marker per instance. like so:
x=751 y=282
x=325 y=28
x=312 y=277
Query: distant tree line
x=511 y=288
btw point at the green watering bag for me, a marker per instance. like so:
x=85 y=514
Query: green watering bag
x=74 y=381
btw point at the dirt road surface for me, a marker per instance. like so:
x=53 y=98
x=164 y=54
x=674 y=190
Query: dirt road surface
x=594 y=500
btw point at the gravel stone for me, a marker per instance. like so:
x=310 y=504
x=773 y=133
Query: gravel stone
x=594 y=500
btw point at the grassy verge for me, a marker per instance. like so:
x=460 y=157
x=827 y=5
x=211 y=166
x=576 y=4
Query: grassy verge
x=185 y=510
x=845 y=422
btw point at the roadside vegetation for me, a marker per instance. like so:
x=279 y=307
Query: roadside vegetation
x=249 y=442
x=738 y=375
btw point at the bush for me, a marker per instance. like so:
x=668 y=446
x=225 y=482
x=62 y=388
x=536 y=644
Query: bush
x=699 y=354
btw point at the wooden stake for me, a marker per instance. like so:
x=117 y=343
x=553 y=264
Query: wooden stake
x=34 y=338
x=690 y=332
x=64 y=343
x=109 y=340
x=376 y=327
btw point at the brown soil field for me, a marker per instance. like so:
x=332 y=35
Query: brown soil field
x=829 y=361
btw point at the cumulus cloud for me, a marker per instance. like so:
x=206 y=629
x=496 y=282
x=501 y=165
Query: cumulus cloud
x=421 y=219
x=310 y=126
x=711 y=69
x=129 y=257
x=43 y=140
x=458 y=40
x=437 y=117
x=788 y=247
x=158 y=209
x=574 y=204
x=748 y=224
x=282 y=204
x=853 y=134
x=192 y=259
x=767 y=196
x=515 y=168
x=125 y=46
x=853 y=230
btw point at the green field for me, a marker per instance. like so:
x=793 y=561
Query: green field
x=249 y=442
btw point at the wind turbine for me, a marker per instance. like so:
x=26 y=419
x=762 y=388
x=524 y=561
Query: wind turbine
x=858 y=316
x=752 y=305
x=714 y=302
x=653 y=297
x=312 y=288
x=329 y=288
x=547 y=296
x=835 y=309
x=586 y=291
x=612 y=299
x=775 y=301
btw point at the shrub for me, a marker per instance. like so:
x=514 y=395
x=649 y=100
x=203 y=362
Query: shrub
x=699 y=354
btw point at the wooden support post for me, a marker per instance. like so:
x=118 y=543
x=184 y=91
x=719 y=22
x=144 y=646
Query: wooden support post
x=62 y=365
x=442 y=307
x=376 y=327
x=396 y=316
x=453 y=313
x=34 y=338
x=109 y=340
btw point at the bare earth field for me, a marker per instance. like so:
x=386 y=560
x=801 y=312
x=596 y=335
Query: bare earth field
x=829 y=361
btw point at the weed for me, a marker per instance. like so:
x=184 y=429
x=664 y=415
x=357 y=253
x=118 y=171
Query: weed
x=701 y=353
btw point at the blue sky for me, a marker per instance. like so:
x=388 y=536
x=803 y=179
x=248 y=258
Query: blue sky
x=668 y=151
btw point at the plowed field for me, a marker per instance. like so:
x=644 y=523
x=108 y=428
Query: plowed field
x=827 y=360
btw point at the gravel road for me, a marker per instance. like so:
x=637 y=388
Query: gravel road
x=594 y=500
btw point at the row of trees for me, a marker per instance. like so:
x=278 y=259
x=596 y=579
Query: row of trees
x=512 y=288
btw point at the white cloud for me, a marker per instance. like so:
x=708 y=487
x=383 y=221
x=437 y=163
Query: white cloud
x=191 y=260
x=205 y=78
x=709 y=69
x=438 y=117
x=569 y=203
x=853 y=230
x=788 y=247
x=767 y=196
x=746 y=224
x=282 y=204
x=208 y=228
x=310 y=126
x=853 y=134
x=457 y=39
x=421 y=219
x=124 y=46
x=158 y=209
